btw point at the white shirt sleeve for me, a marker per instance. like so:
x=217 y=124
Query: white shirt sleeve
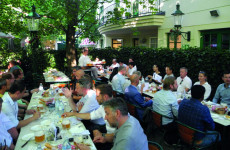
x=96 y=114
x=10 y=113
x=90 y=104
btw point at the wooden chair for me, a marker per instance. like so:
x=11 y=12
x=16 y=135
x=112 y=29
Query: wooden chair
x=118 y=94
x=187 y=136
x=157 y=118
x=154 y=146
x=131 y=109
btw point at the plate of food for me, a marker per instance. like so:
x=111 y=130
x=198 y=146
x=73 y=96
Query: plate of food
x=227 y=117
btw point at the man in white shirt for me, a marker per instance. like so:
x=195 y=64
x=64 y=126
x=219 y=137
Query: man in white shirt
x=115 y=64
x=131 y=69
x=121 y=63
x=183 y=81
x=119 y=80
x=84 y=60
x=10 y=106
x=168 y=71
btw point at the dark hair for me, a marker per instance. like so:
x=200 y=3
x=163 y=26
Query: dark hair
x=76 y=68
x=117 y=104
x=84 y=49
x=226 y=72
x=16 y=73
x=14 y=62
x=2 y=83
x=115 y=71
x=18 y=85
x=170 y=68
x=132 y=63
x=7 y=75
x=105 y=89
x=167 y=82
x=197 y=91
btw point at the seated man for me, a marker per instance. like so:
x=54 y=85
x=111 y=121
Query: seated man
x=183 y=81
x=131 y=69
x=77 y=75
x=118 y=80
x=10 y=106
x=165 y=101
x=134 y=96
x=193 y=113
x=8 y=131
x=121 y=63
x=129 y=134
x=115 y=64
x=223 y=90
x=168 y=71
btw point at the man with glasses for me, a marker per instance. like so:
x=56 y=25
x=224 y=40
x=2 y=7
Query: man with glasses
x=223 y=90
x=183 y=81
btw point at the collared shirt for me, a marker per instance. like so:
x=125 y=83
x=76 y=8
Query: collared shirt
x=91 y=104
x=118 y=83
x=130 y=136
x=5 y=125
x=183 y=83
x=171 y=75
x=207 y=87
x=83 y=60
x=157 y=77
x=166 y=104
x=100 y=113
x=196 y=115
x=135 y=97
x=223 y=94
x=10 y=108
x=116 y=65
x=130 y=71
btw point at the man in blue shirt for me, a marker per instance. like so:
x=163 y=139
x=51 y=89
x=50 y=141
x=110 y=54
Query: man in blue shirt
x=223 y=90
x=193 y=113
x=119 y=80
x=134 y=96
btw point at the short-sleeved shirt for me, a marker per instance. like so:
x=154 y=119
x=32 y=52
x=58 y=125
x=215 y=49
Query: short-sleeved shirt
x=5 y=125
x=130 y=136
x=91 y=104
x=10 y=108
x=100 y=113
x=183 y=83
x=83 y=60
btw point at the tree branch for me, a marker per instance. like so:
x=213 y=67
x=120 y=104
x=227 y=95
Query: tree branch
x=87 y=11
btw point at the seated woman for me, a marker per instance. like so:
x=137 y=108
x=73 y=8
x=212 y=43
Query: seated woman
x=156 y=77
x=203 y=81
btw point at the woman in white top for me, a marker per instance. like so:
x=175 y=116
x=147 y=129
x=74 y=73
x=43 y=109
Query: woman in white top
x=156 y=77
x=203 y=81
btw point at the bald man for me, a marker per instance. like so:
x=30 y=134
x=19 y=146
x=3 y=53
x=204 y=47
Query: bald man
x=135 y=97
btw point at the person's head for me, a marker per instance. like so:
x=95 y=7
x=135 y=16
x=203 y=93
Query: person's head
x=121 y=62
x=3 y=85
x=79 y=74
x=12 y=63
x=138 y=73
x=75 y=69
x=85 y=51
x=134 y=79
x=168 y=70
x=131 y=60
x=131 y=65
x=122 y=70
x=83 y=85
x=115 y=109
x=197 y=92
x=17 y=89
x=18 y=74
x=202 y=76
x=155 y=68
x=170 y=84
x=226 y=77
x=183 y=72
x=104 y=92
x=114 y=61
x=9 y=77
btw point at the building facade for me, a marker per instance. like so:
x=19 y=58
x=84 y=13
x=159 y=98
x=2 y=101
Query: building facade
x=207 y=21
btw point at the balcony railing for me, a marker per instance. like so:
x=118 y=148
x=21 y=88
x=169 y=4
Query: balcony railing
x=132 y=12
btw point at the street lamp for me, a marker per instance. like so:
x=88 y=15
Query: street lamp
x=33 y=20
x=178 y=16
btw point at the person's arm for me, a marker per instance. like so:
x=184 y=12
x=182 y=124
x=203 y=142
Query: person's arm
x=141 y=101
x=85 y=116
x=72 y=104
x=29 y=120
x=22 y=106
x=207 y=93
x=175 y=108
x=13 y=132
x=68 y=95
x=209 y=123
x=217 y=95
x=104 y=139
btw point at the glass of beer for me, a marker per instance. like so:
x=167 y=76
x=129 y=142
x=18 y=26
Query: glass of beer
x=65 y=123
x=39 y=136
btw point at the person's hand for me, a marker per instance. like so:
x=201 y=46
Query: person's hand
x=96 y=133
x=26 y=94
x=99 y=139
x=67 y=114
x=67 y=92
x=147 y=98
x=83 y=147
x=30 y=111
x=80 y=105
x=34 y=90
x=36 y=115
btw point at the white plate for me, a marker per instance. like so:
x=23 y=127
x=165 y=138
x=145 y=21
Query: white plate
x=215 y=116
x=226 y=117
x=36 y=128
x=45 y=122
x=28 y=136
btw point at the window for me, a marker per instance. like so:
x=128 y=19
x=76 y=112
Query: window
x=135 y=42
x=171 y=42
x=216 y=39
x=153 y=42
x=116 y=43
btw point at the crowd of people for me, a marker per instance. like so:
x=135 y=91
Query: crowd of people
x=107 y=117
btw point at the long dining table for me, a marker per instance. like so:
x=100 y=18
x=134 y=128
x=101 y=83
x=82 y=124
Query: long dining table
x=54 y=76
x=49 y=120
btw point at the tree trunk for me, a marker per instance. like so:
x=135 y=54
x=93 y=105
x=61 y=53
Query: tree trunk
x=70 y=47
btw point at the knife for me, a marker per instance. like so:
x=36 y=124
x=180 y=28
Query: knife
x=26 y=143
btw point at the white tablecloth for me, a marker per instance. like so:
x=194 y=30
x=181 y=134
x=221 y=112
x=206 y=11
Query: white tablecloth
x=49 y=77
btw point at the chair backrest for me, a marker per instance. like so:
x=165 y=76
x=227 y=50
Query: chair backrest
x=131 y=109
x=154 y=146
x=186 y=133
x=117 y=94
x=157 y=118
